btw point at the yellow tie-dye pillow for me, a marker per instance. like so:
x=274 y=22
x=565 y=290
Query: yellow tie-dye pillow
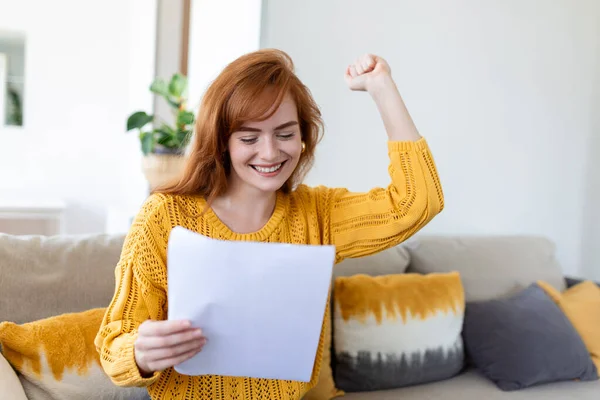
x=581 y=304
x=397 y=330
x=56 y=358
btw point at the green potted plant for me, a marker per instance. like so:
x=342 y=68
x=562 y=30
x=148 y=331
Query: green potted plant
x=162 y=143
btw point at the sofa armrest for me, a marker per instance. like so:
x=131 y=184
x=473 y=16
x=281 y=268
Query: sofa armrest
x=10 y=385
x=572 y=281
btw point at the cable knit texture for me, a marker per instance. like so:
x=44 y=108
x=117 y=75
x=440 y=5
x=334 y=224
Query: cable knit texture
x=358 y=224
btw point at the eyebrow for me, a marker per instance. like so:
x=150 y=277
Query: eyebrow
x=282 y=126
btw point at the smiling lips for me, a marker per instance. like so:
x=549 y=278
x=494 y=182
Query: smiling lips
x=268 y=171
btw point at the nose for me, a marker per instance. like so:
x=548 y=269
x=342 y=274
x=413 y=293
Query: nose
x=269 y=150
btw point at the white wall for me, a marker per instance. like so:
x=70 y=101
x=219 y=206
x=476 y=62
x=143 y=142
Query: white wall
x=502 y=90
x=88 y=65
x=591 y=213
x=220 y=31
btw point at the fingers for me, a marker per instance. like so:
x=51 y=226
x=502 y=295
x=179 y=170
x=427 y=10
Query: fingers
x=363 y=65
x=366 y=71
x=162 y=328
x=171 y=361
x=359 y=67
x=167 y=353
x=164 y=344
x=352 y=71
x=368 y=63
x=157 y=342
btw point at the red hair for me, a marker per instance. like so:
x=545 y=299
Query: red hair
x=238 y=95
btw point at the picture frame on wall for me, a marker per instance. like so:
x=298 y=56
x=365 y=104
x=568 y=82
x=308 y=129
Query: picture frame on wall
x=12 y=78
x=3 y=91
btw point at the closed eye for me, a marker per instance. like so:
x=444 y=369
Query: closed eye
x=286 y=135
x=250 y=140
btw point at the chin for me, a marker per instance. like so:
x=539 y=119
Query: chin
x=269 y=187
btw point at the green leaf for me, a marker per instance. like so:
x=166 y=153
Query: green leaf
x=147 y=140
x=177 y=85
x=138 y=120
x=166 y=129
x=185 y=118
x=160 y=87
x=183 y=137
x=164 y=139
x=166 y=136
x=173 y=104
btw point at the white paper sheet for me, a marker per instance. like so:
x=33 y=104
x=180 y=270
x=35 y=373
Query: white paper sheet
x=260 y=305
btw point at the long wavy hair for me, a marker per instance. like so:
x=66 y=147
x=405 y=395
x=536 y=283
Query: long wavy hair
x=250 y=88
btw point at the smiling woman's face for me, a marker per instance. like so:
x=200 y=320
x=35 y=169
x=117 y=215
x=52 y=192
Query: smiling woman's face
x=264 y=154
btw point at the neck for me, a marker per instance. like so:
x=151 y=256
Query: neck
x=249 y=202
x=244 y=209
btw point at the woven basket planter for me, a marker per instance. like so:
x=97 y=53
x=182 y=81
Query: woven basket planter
x=162 y=169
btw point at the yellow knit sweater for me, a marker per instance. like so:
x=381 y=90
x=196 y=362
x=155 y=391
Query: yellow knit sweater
x=358 y=224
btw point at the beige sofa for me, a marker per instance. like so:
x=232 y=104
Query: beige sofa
x=46 y=276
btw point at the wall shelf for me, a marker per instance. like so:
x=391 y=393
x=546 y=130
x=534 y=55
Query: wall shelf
x=29 y=217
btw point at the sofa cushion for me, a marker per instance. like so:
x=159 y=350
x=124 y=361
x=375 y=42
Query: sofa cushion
x=473 y=385
x=57 y=360
x=397 y=330
x=571 y=281
x=390 y=261
x=44 y=276
x=490 y=266
x=525 y=340
x=581 y=304
x=10 y=386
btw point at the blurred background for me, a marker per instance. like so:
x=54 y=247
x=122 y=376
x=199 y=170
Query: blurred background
x=507 y=93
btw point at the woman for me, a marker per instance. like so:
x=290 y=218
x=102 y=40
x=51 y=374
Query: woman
x=255 y=139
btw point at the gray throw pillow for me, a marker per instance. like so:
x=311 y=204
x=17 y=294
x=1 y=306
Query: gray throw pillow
x=525 y=340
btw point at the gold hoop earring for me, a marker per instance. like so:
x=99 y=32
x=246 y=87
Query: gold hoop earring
x=303 y=147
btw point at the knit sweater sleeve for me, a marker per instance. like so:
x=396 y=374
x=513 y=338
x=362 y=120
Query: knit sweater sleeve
x=360 y=224
x=140 y=294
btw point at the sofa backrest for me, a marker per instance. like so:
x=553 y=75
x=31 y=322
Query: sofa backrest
x=42 y=276
x=490 y=266
x=391 y=261
x=45 y=276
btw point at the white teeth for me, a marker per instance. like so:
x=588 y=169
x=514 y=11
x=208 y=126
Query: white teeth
x=267 y=170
